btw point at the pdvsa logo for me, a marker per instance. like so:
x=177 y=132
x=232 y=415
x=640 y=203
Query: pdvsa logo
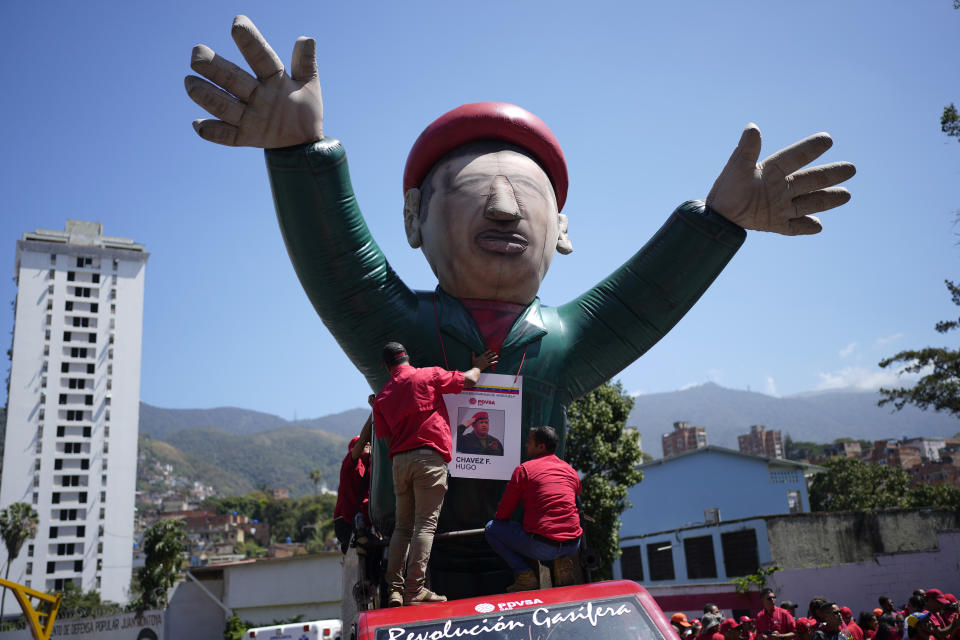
x=483 y=607
x=513 y=604
x=473 y=400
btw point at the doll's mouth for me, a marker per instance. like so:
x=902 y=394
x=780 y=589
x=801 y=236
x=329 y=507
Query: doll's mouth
x=503 y=242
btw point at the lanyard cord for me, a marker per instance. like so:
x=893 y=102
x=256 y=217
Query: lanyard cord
x=443 y=349
x=436 y=319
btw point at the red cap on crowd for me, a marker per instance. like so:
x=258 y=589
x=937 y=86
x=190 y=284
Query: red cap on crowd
x=485 y=121
x=936 y=594
x=847 y=612
x=728 y=624
x=802 y=624
x=745 y=619
x=481 y=415
x=949 y=596
x=353 y=441
x=878 y=612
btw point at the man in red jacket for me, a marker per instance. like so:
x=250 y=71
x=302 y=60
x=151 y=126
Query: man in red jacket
x=547 y=487
x=409 y=413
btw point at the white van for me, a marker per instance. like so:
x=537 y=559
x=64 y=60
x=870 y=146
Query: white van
x=313 y=630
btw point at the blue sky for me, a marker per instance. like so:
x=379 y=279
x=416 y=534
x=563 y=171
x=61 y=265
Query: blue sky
x=647 y=99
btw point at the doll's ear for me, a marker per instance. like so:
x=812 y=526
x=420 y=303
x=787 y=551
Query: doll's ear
x=411 y=217
x=564 y=245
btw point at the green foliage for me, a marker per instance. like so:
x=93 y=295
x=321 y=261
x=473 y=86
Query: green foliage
x=235 y=628
x=316 y=477
x=851 y=485
x=297 y=518
x=939 y=388
x=18 y=523
x=606 y=455
x=950 y=120
x=163 y=545
x=759 y=578
x=76 y=603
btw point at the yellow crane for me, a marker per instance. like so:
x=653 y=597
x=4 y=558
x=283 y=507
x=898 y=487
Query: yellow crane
x=39 y=628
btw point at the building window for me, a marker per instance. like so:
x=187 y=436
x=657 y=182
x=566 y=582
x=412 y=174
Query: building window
x=29 y=568
x=49 y=319
x=90 y=368
x=53 y=258
x=86 y=432
x=103 y=513
x=85 y=463
x=51 y=567
x=631 y=563
x=701 y=562
x=96 y=278
x=660 y=560
x=53 y=532
x=68 y=305
x=29 y=550
x=36 y=498
x=92 y=338
x=67 y=336
x=71 y=276
x=94 y=307
x=61 y=431
x=36 y=464
x=794 y=502
x=64 y=367
x=740 y=552
x=63 y=398
x=83 y=497
x=78 y=565
x=55 y=498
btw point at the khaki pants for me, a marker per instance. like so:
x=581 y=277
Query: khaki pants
x=420 y=482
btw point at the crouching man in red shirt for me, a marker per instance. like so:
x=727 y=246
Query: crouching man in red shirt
x=409 y=413
x=548 y=488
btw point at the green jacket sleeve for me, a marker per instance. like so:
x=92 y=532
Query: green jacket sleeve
x=357 y=294
x=615 y=322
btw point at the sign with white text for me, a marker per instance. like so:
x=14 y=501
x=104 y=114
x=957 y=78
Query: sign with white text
x=485 y=420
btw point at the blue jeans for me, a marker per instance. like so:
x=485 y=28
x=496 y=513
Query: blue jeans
x=508 y=539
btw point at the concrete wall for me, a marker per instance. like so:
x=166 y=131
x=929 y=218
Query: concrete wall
x=858 y=585
x=193 y=614
x=281 y=588
x=817 y=539
x=675 y=540
x=674 y=493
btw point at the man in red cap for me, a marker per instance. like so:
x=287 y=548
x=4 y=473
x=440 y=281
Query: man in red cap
x=410 y=415
x=730 y=629
x=846 y=613
x=943 y=619
x=354 y=488
x=478 y=441
x=484 y=188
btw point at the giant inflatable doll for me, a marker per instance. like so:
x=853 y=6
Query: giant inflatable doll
x=483 y=189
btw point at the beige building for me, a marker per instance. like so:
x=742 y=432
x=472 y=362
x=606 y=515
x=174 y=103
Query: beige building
x=760 y=442
x=683 y=438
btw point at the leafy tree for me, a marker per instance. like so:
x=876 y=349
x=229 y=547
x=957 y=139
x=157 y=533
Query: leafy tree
x=76 y=603
x=163 y=544
x=940 y=388
x=606 y=455
x=943 y=496
x=950 y=120
x=18 y=523
x=316 y=477
x=851 y=485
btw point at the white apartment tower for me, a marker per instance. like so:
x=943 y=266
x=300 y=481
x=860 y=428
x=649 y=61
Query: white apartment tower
x=70 y=447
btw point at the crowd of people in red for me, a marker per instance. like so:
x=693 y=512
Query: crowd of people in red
x=929 y=614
